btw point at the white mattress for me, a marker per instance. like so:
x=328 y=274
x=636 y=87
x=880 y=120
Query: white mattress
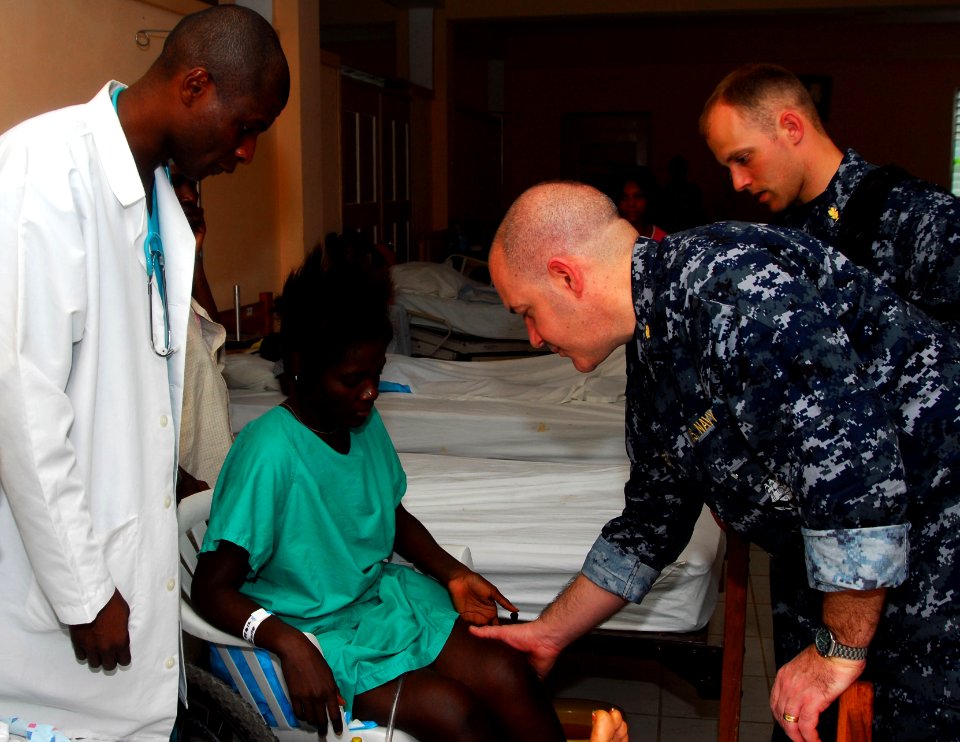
x=534 y=409
x=547 y=378
x=478 y=318
x=455 y=302
x=529 y=526
x=481 y=428
x=499 y=429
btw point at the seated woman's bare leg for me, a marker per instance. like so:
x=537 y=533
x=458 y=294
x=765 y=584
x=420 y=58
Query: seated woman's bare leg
x=476 y=690
x=430 y=707
x=504 y=681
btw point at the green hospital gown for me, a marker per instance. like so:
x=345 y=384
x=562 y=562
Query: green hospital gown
x=318 y=525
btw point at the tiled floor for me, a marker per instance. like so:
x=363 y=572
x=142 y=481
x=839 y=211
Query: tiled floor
x=662 y=707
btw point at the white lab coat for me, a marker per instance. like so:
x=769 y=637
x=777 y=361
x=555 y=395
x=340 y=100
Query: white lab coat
x=88 y=426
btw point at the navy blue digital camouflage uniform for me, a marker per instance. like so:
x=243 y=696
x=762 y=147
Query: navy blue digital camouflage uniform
x=816 y=413
x=917 y=245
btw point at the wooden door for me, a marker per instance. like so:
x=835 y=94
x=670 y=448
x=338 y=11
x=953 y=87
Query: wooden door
x=598 y=144
x=395 y=172
x=376 y=164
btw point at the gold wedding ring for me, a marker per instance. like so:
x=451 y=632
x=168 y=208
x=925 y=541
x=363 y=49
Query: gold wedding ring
x=790 y=718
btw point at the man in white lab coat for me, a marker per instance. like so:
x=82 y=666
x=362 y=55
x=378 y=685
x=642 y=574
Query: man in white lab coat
x=91 y=368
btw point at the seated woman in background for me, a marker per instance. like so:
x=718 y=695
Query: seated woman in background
x=305 y=513
x=635 y=198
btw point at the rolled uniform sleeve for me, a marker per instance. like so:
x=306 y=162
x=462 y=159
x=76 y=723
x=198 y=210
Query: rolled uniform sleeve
x=858 y=558
x=622 y=574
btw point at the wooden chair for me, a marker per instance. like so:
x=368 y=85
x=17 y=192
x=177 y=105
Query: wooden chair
x=855 y=722
x=734 y=630
x=856 y=703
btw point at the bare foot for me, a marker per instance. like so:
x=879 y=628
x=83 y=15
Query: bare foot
x=608 y=726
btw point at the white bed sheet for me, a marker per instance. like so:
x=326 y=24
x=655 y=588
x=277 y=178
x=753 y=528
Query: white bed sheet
x=536 y=409
x=478 y=318
x=456 y=302
x=529 y=526
x=500 y=429
x=547 y=378
x=482 y=428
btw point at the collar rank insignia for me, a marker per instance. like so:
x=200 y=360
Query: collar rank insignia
x=834 y=213
x=781 y=496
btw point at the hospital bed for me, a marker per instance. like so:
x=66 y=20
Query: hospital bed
x=523 y=461
x=453 y=316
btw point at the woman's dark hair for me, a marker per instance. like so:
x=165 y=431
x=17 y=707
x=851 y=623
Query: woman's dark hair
x=334 y=301
x=644 y=178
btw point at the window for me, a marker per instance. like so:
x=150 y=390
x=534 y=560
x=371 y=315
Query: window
x=955 y=169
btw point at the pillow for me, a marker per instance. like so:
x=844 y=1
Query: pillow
x=249 y=371
x=437 y=279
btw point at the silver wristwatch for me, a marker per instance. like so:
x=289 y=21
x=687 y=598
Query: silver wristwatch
x=828 y=646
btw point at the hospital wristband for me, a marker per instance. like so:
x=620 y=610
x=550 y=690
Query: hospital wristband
x=253 y=622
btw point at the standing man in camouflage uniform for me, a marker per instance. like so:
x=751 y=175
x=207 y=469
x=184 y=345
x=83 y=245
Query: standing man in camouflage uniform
x=762 y=124
x=810 y=407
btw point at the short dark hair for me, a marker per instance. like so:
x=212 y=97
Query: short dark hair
x=238 y=48
x=757 y=89
x=641 y=176
x=332 y=303
x=555 y=217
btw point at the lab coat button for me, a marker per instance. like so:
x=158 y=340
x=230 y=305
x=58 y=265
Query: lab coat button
x=163 y=421
x=167 y=501
x=169 y=663
x=171 y=583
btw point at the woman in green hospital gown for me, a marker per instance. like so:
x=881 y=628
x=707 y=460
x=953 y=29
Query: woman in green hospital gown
x=306 y=512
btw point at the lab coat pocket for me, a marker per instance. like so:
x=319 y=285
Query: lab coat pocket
x=120 y=548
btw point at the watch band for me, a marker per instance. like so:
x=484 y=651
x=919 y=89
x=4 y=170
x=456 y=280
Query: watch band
x=828 y=646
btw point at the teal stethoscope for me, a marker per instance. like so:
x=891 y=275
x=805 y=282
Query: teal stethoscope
x=153 y=253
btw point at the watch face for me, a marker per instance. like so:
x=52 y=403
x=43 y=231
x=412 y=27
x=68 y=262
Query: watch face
x=823 y=641
x=827 y=646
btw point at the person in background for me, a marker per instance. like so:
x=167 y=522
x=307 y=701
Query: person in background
x=205 y=430
x=761 y=123
x=811 y=408
x=96 y=262
x=636 y=194
x=305 y=516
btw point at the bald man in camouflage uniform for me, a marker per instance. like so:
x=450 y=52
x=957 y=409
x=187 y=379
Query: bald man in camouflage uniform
x=811 y=408
x=761 y=123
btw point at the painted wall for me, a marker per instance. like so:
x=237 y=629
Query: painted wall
x=892 y=87
x=471 y=9
x=59 y=52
